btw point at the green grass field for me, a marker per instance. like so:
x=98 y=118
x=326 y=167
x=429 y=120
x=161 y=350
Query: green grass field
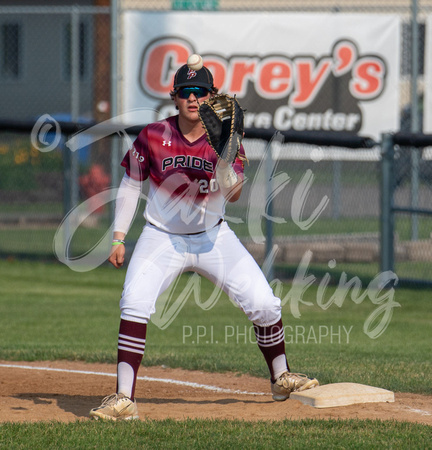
x=218 y=434
x=37 y=243
x=18 y=240
x=50 y=312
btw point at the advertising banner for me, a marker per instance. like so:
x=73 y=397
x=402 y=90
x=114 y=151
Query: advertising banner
x=305 y=72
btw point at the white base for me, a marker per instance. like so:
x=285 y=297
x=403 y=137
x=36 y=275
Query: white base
x=342 y=394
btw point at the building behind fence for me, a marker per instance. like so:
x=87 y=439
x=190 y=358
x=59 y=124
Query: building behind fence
x=57 y=61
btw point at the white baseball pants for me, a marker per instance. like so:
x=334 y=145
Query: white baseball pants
x=159 y=257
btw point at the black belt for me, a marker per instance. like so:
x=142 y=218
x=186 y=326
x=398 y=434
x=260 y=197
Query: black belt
x=201 y=232
x=192 y=234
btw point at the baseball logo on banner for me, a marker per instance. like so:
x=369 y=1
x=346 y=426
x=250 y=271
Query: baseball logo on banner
x=304 y=72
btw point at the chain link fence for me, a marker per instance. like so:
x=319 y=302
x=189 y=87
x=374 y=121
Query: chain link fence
x=57 y=61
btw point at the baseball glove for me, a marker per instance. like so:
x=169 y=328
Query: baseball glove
x=222 y=119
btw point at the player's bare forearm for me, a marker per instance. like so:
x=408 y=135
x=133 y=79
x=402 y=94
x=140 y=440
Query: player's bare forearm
x=116 y=257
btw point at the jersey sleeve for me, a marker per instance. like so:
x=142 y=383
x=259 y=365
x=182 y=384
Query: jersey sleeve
x=126 y=203
x=137 y=159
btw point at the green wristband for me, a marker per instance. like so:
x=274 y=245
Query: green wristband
x=118 y=242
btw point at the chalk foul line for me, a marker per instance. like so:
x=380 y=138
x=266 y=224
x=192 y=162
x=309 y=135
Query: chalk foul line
x=418 y=411
x=159 y=380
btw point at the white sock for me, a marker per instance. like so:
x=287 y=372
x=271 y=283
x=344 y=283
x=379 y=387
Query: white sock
x=279 y=365
x=125 y=379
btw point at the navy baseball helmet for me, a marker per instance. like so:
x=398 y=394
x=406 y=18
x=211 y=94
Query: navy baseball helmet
x=188 y=77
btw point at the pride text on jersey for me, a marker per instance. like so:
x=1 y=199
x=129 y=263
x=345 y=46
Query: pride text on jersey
x=192 y=162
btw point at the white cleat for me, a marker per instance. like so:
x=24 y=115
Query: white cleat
x=291 y=382
x=116 y=407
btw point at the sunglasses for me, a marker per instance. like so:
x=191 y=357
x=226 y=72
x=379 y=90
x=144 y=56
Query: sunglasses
x=199 y=92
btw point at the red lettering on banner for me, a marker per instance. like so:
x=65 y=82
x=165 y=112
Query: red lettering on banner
x=309 y=80
x=218 y=67
x=275 y=78
x=344 y=55
x=160 y=63
x=242 y=71
x=368 y=78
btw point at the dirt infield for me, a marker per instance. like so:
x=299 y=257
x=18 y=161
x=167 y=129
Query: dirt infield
x=66 y=391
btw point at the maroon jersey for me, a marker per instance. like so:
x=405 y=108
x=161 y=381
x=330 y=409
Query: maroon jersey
x=184 y=196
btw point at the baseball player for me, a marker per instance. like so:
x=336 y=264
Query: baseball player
x=185 y=231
